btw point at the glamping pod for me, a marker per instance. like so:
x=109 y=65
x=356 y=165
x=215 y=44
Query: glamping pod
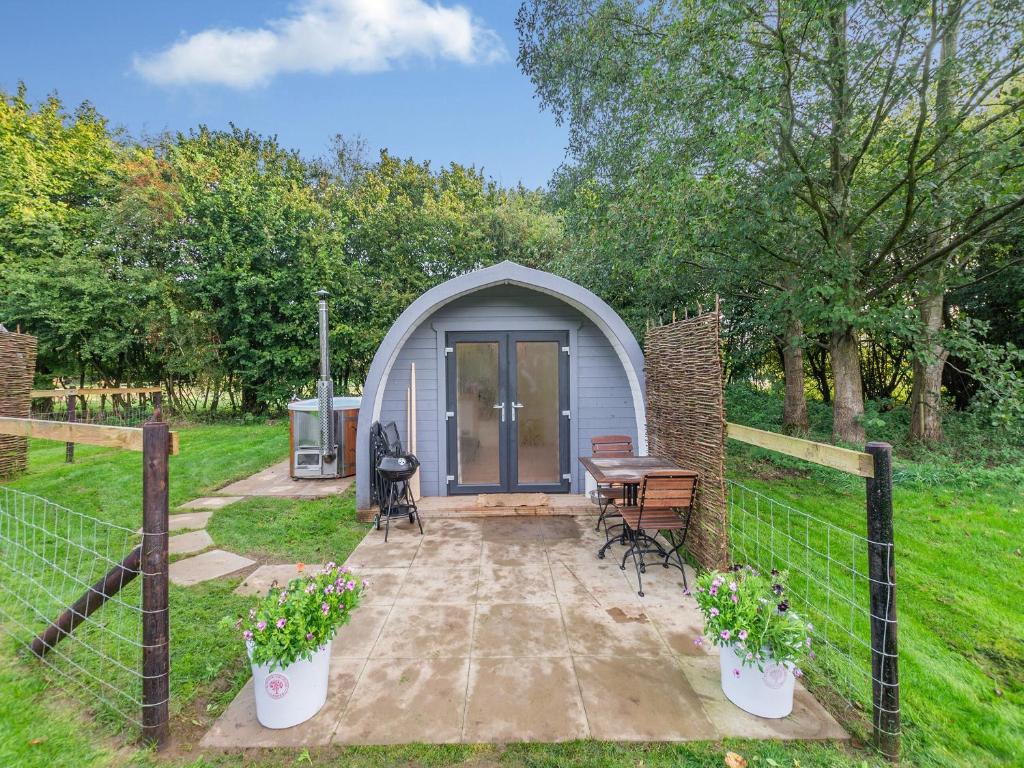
x=498 y=379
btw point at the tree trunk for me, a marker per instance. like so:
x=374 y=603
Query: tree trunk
x=848 y=403
x=926 y=393
x=794 y=407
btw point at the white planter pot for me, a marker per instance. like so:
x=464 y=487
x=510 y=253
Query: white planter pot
x=767 y=693
x=289 y=696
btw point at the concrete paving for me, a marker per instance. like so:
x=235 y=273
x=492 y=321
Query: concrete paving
x=500 y=630
x=275 y=481
x=209 y=565
x=211 y=502
x=186 y=543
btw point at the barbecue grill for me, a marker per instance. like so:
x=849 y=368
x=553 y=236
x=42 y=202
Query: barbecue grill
x=394 y=470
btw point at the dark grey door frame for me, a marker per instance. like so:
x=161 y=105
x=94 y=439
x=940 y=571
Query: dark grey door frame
x=507 y=435
x=562 y=339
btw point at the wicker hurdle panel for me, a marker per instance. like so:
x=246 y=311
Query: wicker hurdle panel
x=17 y=368
x=686 y=421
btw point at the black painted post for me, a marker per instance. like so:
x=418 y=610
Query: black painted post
x=69 y=448
x=885 y=687
x=155 y=625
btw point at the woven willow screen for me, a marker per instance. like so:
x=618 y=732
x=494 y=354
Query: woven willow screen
x=17 y=368
x=686 y=421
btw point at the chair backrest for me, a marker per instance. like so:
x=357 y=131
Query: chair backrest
x=611 y=446
x=394 y=440
x=668 y=489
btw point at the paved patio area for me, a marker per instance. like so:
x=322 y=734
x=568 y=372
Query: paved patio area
x=275 y=481
x=510 y=629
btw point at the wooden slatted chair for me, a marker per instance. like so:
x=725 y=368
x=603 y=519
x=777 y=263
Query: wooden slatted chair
x=664 y=505
x=609 y=447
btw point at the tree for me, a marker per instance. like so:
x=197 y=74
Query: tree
x=822 y=118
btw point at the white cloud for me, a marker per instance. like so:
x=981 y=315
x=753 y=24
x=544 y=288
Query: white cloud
x=326 y=36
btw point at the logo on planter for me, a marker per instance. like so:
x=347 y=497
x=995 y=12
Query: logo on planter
x=775 y=675
x=276 y=686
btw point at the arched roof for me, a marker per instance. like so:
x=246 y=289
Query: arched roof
x=506 y=273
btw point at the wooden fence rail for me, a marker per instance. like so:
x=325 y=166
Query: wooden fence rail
x=128 y=438
x=843 y=459
x=86 y=391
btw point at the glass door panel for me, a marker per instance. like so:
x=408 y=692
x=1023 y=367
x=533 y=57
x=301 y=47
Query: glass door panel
x=478 y=392
x=536 y=413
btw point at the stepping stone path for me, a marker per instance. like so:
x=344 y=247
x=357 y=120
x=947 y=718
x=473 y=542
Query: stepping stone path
x=187 y=543
x=259 y=581
x=212 y=564
x=209 y=565
x=211 y=502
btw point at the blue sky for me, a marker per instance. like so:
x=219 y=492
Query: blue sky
x=431 y=79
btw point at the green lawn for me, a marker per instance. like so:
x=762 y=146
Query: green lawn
x=960 y=617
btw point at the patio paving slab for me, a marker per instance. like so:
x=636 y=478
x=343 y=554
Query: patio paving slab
x=275 y=481
x=809 y=719
x=426 y=631
x=511 y=584
x=638 y=699
x=402 y=702
x=209 y=565
x=523 y=700
x=263 y=578
x=453 y=553
x=210 y=502
x=356 y=639
x=186 y=543
x=619 y=630
x=444 y=586
x=383 y=585
x=514 y=649
x=238 y=725
x=538 y=631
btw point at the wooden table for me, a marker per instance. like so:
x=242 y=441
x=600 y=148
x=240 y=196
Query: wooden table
x=627 y=470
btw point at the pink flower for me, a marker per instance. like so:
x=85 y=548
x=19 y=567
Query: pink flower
x=732 y=586
x=698 y=641
x=328 y=589
x=309 y=635
x=325 y=609
x=750 y=656
x=310 y=588
x=330 y=566
x=736 y=674
x=365 y=583
x=713 y=590
x=726 y=634
x=247 y=635
x=713 y=612
x=280 y=623
x=261 y=625
x=743 y=634
x=808 y=641
x=734 y=597
x=350 y=586
x=797 y=672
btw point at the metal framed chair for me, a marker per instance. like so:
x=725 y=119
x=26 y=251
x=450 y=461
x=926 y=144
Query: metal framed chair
x=664 y=505
x=609 y=447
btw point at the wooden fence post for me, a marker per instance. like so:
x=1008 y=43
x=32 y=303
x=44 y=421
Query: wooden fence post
x=885 y=686
x=69 y=448
x=155 y=638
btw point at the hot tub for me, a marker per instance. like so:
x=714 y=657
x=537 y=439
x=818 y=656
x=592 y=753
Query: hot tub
x=307 y=460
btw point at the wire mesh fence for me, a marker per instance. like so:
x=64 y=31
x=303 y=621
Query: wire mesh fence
x=96 y=413
x=57 y=568
x=829 y=585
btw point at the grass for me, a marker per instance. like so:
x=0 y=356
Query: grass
x=958 y=537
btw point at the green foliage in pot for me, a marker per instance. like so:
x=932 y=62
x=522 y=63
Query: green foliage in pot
x=748 y=611
x=292 y=622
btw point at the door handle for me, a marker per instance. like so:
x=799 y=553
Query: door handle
x=515 y=406
x=502 y=406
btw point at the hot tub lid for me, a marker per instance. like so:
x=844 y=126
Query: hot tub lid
x=340 y=404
